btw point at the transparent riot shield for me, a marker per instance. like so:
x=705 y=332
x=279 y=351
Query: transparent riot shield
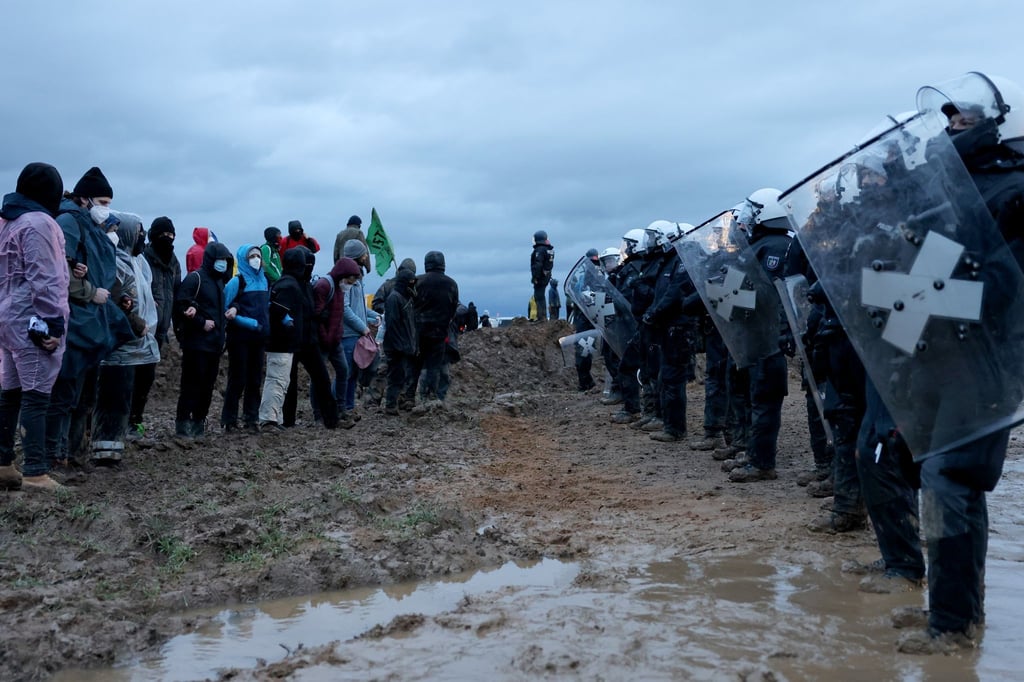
x=924 y=285
x=601 y=303
x=582 y=344
x=793 y=296
x=734 y=287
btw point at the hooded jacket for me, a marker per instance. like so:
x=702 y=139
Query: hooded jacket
x=194 y=255
x=353 y=232
x=33 y=271
x=291 y=305
x=331 y=313
x=437 y=297
x=400 y=333
x=382 y=293
x=135 y=277
x=251 y=300
x=93 y=330
x=204 y=289
x=166 y=276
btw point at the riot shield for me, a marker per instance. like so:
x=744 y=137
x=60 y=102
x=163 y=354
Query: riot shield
x=601 y=303
x=924 y=285
x=793 y=296
x=584 y=344
x=734 y=287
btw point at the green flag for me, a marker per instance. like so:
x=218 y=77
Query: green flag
x=380 y=245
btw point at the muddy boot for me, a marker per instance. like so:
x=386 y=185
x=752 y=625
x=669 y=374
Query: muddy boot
x=197 y=429
x=751 y=474
x=855 y=567
x=735 y=463
x=10 y=478
x=928 y=642
x=614 y=398
x=654 y=425
x=836 y=523
x=391 y=410
x=889 y=582
x=183 y=428
x=667 y=437
x=909 y=617
x=805 y=478
x=42 y=483
x=623 y=417
x=726 y=453
x=107 y=453
x=642 y=421
x=822 y=488
x=714 y=441
x=345 y=420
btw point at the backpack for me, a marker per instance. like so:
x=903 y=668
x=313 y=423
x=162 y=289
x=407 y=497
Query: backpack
x=325 y=314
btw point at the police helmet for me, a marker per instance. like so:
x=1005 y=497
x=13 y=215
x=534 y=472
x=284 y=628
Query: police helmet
x=977 y=96
x=762 y=208
x=634 y=243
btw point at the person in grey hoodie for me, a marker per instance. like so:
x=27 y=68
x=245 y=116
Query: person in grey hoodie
x=359 y=321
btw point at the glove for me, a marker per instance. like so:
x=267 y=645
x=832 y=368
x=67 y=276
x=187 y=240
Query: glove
x=787 y=345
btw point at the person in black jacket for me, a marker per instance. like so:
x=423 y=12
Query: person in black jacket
x=400 y=338
x=199 y=316
x=166 y=277
x=542 y=261
x=437 y=298
x=292 y=295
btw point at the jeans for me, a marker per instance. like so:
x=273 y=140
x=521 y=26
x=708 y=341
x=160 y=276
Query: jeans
x=336 y=359
x=30 y=407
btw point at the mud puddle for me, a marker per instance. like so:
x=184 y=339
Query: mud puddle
x=623 y=613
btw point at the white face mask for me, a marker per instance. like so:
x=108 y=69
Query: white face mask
x=99 y=213
x=112 y=236
x=220 y=265
x=255 y=262
x=345 y=286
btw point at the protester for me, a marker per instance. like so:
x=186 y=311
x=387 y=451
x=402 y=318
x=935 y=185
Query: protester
x=353 y=230
x=202 y=236
x=297 y=237
x=247 y=302
x=270 y=254
x=400 y=338
x=358 y=320
x=165 y=276
x=34 y=281
x=199 y=316
x=437 y=297
x=554 y=300
x=329 y=307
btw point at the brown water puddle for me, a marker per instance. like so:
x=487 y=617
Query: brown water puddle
x=702 y=617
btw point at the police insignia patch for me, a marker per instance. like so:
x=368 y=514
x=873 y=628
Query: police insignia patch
x=771 y=262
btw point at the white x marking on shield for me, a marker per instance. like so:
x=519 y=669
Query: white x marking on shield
x=730 y=294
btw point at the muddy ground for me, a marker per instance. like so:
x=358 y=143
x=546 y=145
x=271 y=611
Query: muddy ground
x=99 y=573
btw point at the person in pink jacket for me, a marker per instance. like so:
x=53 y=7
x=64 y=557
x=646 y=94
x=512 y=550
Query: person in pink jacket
x=34 y=312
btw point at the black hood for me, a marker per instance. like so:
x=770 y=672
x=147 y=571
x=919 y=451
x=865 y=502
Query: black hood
x=16 y=205
x=433 y=261
x=216 y=251
x=294 y=262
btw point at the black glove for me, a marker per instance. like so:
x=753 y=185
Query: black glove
x=787 y=345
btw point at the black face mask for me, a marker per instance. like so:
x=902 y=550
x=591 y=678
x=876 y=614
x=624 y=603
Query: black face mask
x=982 y=137
x=140 y=244
x=164 y=247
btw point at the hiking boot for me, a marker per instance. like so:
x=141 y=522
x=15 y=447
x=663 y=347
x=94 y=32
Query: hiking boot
x=821 y=488
x=135 y=432
x=10 y=478
x=271 y=428
x=728 y=452
x=197 y=430
x=735 y=463
x=666 y=437
x=709 y=442
x=654 y=426
x=855 y=567
x=252 y=427
x=836 y=522
x=623 y=417
x=928 y=642
x=613 y=398
x=183 y=427
x=231 y=427
x=583 y=388
x=909 y=617
x=814 y=475
x=391 y=410
x=42 y=483
x=751 y=474
x=889 y=582
x=642 y=421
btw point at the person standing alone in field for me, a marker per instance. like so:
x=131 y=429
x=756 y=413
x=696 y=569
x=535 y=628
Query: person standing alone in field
x=542 y=261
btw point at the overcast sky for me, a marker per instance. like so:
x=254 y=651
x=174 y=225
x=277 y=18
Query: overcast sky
x=468 y=125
